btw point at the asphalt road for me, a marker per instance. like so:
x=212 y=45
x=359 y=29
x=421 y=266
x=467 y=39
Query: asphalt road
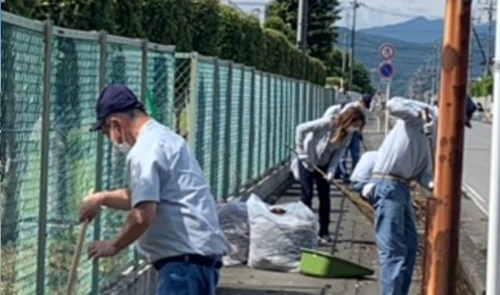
x=477 y=164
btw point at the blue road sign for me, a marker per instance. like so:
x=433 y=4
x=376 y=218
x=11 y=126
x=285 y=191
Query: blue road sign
x=386 y=70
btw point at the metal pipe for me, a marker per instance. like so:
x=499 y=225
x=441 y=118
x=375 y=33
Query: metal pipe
x=302 y=26
x=387 y=115
x=103 y=53
x=44 y=159
x=443 y=214
x=493 y=268
x=352 y=62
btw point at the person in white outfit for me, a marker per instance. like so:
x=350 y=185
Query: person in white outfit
x=320 y=143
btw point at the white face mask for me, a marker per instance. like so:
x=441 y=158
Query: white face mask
x=352 y=129
x=124 y=147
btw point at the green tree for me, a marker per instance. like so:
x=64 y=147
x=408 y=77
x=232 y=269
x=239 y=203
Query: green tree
x=278 y=24
x=361 y=80
x=321 y=19
x=334 y=64
x=483 y=87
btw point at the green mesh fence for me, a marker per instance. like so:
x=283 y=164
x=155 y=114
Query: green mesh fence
x=221 y=134
x=258 y=127
x=205 y=115
x=72 y=155
x=124 y=66
x=235 y=128
x=247 y=126
x=22 y=87
x=265 y=123
x=237 y=121
x=160 y=90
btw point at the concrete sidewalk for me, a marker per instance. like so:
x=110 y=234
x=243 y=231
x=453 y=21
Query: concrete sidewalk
x=355 y=242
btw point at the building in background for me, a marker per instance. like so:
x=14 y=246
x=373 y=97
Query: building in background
x=257 y=8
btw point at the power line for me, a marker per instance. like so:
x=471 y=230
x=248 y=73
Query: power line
x=382 y=11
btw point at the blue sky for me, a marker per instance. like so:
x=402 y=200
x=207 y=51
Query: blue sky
x=370 y=18
x=387 y=12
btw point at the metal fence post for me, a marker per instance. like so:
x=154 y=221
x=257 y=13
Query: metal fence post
x=227 y=142
x=240 y=133
x=252 y=128
x=103 y=42
x=193 y=102
x=144 y=71
x=45 y=136
x=215 y=129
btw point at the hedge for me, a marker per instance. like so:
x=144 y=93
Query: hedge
x=205 y=26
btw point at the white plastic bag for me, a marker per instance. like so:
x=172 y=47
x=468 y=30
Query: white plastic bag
x=278 y=233
x=233 y=218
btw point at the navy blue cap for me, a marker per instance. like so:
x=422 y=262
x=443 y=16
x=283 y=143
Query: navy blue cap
x=114 y=99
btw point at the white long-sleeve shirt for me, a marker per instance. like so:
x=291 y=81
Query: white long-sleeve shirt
x=363 y=171
x=406 y=153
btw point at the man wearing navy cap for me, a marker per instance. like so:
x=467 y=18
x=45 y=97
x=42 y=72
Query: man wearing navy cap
x=172 y=214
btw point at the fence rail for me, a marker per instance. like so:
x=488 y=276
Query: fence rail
x=235 y=118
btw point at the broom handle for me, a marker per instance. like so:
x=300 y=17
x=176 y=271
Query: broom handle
x=321 y=172
x=73 y=272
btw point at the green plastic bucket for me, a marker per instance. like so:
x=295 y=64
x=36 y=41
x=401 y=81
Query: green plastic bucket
x=319 y=264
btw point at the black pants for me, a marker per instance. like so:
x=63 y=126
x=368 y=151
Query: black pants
x=307 y=179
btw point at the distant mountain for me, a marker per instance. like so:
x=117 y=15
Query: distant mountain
x=418 y=30
x=409 y=57
x=415 y=42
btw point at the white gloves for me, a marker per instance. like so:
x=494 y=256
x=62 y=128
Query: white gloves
x=329 y=177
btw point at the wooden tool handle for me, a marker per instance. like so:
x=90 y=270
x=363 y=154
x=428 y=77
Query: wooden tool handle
x=73 y=272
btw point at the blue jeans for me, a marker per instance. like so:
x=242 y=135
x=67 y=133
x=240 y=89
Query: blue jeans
x=354 y=148
x=396 y=233
x=187 y=279
x=307 y=179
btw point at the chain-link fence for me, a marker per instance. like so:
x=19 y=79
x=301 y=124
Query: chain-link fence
x=236 y=119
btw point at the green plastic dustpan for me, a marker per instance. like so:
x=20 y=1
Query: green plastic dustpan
x=323 y=265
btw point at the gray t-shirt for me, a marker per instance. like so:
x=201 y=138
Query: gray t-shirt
x=163 y=170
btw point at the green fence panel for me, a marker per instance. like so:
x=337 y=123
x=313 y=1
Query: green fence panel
x=258 y=127
x=22 y=81
x=265 y=133
x=72 y=156
x=235 y=113
x=205 y=115
x=161 y=73
x=222 y=115
x=246 y=128
x=123 y=66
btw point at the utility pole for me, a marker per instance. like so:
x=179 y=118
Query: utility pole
x=344 y=63
x=302 y=26
x=487 y=67
x=471 y=56
x=355 y=6
x=493 y=270
x=443 y=212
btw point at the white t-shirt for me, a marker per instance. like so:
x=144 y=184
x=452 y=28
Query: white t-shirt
x=162 y=169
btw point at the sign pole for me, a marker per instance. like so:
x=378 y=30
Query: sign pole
x=493 y=267
x=388 y=96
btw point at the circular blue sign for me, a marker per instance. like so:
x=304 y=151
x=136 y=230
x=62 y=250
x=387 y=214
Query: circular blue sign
x=386 y=70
